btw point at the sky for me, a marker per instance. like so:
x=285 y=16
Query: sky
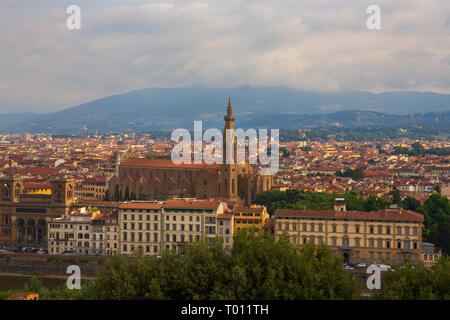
x=321 y=45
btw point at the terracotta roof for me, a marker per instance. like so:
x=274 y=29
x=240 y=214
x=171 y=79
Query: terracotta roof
x=140 y=205
x=38 y=171
x=192 y=204
x=386 y=214
x=165 y=163
x=225 y=216
x=248 y=209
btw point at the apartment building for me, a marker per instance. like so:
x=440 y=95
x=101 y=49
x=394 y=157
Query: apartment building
x=151 y=226
x=72 y=232
x=97 y=231
x=388 y=235
x=225 y=229
x=140 y=227
x=250 y=217
x=93 y=188
x=112 y=233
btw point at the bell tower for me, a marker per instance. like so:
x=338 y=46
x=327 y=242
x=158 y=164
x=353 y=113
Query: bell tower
x=63 y=191
x=229 y=167
x=11 y=189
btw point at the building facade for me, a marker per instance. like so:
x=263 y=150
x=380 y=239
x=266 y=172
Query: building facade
x=235 y=182
x=149 y=227
x=250 y=217
x=23 y=216
x=388 y=235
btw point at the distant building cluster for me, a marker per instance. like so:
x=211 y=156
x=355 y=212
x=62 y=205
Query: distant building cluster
x=108 y=194
x=147 y=227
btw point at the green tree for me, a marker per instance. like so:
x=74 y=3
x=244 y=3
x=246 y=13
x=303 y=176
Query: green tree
x=106 y=198
x=258 y=268
x=116 y=193
x=143 y=195
x=35 y=285
x=396 y=198
x=410 y=203
x=436 y=211
x=127 y=194
x=413 y=281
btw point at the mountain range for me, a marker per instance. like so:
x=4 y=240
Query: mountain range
x=277 y=107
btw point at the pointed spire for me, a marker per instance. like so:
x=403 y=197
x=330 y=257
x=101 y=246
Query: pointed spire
x=230 y=108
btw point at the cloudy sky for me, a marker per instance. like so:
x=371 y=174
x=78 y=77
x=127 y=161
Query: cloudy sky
x=122 y=46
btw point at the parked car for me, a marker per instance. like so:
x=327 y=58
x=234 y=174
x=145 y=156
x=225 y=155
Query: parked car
x=68 y=252
x=361 y=266
x=348 y=267
x=384 y=267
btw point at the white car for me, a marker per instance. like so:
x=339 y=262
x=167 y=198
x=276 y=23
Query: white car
x=384 y=267
x=349 y=268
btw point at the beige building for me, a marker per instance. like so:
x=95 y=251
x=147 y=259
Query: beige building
x=80 y=232
x=388 y=235
x=112 y=233
x=225 y=229
x=150 y=226
x=140 y=227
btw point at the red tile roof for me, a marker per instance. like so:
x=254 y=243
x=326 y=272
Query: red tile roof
x=165 y=163
x=141 y=205
x=386 y=214
x=192 y=204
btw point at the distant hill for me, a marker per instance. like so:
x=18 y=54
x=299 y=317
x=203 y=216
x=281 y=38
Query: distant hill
x=169 y=108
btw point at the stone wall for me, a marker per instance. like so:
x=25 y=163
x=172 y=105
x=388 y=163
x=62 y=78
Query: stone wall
x=47 y=265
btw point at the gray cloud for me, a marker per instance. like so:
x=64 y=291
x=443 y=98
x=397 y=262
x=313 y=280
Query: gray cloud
x=127 y=45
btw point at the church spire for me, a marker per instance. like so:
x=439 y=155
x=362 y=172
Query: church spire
x=229 y=118
x=229 y=108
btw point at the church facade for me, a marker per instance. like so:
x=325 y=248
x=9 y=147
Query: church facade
x=238 y=183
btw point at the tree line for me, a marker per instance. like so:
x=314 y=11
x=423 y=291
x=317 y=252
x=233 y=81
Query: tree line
x=259 y=268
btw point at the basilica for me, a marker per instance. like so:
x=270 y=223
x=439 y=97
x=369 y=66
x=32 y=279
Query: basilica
x=237 y=183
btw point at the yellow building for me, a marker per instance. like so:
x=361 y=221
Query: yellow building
x=37 y=188
x=24 y=296
x=94 y=188
x=250 y=217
